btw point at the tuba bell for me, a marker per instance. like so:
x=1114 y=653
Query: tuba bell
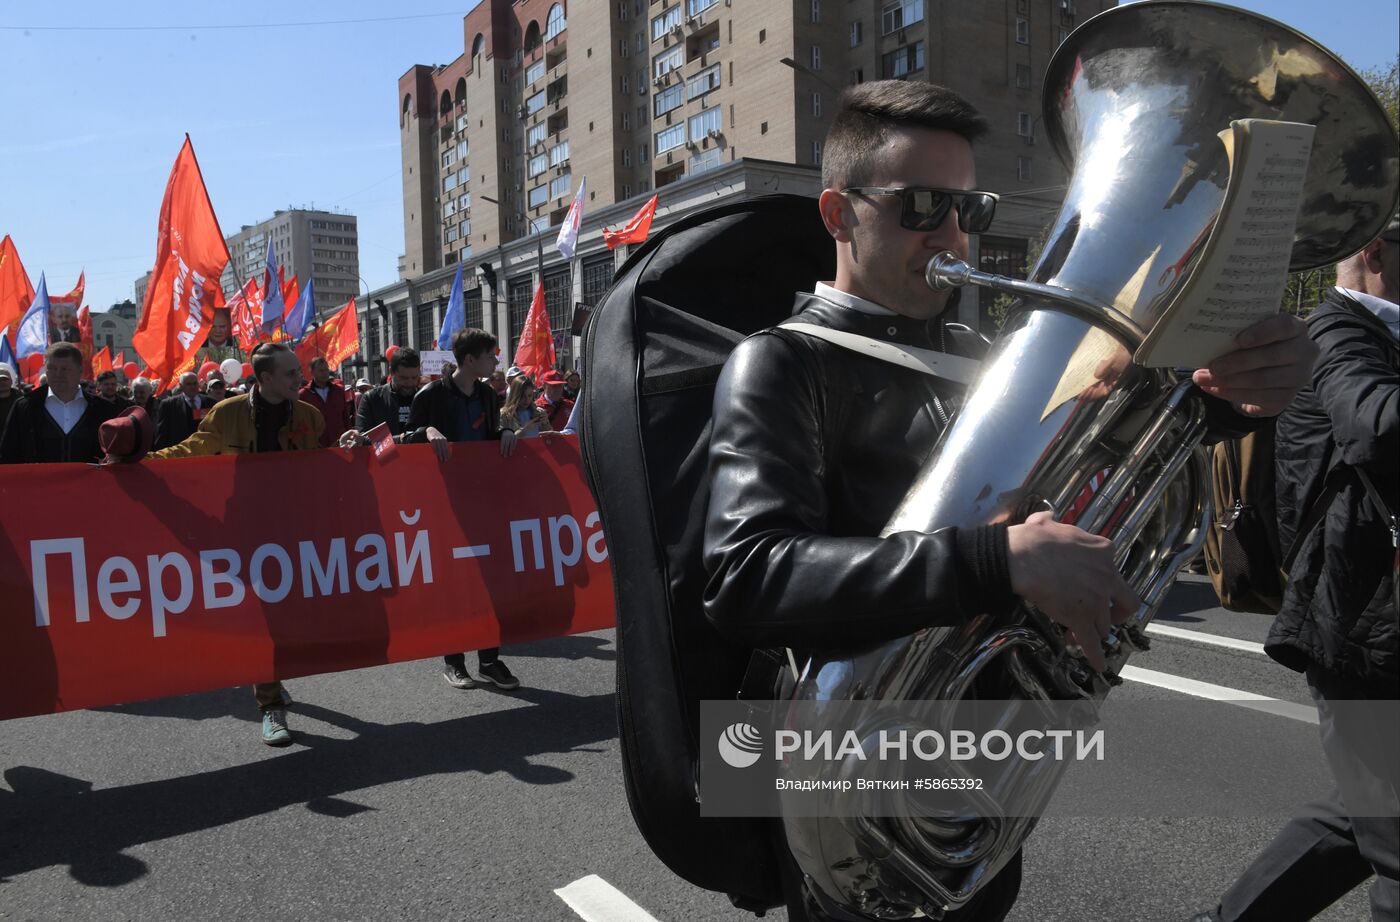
x=1133 y=102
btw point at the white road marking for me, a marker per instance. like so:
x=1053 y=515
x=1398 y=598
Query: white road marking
x=482 y=550
x=596 y=900
x=1234 y=696
x=1215 y=640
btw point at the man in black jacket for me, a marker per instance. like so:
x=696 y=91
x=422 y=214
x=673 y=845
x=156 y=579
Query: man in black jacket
x=463 y=408
x=57 y=422
x=1338 y=620
x=814 y=446
x=178 y=415
x=391 y=402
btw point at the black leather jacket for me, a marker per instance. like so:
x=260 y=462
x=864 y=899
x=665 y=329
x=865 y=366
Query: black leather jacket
x=813 y=448
x=1339 y=611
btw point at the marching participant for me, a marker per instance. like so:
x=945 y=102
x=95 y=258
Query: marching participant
x=805 y=470
x=268 y=418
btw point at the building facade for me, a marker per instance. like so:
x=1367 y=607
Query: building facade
x=319 y=245
x=637 y=97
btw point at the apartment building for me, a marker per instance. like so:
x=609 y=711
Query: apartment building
x=638 y=95
x=319 y=245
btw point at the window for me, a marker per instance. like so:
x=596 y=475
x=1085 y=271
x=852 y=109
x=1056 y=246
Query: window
x=559 y=154
x=464 y=201
x=461 y=123
x=816 y=57
x=597 y=276
x=626 y=190
x=627 y=156
x=1023 y=77
x=535 y=71
x=535 y=103
x=704 y=160
x=669 y=138
x=1064 y=34
x=1002 y=256
x=708 y=79
x=662 y=24
x=462 y=149
x=448 y=210
x=538 y=196
x=901 y=13
x=449 y=182
x=666 y=100
x=535 y=134
x=537 y=165
x=622 y=10
x=857 y=33
x=902 y=61
x=702 y=124
x=625 y=84
x=554 y=24
x=539 y=224
x=1023 y=124
x=560 y=186
x=644 y=152
x=520 y=292
x=1023 y=169
x=452 y=233
x=558 y=303
x=449 y=157
x=622 y=47
x=816 y=10
x=817 y=105
x=667 y=61
x=627 y=121
x=1023 y=31
x=817 y=153
x=857 y=76
x=693 y=7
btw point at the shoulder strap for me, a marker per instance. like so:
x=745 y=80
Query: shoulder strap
x=1381 y=507
x=954 y=368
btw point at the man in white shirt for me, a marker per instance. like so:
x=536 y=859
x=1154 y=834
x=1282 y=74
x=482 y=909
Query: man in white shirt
x=57 y=422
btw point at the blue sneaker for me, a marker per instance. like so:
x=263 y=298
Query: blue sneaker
x=274 y=728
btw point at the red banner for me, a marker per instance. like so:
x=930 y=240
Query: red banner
x=206 y=573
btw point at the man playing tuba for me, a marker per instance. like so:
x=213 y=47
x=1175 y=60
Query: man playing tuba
x=814 y=446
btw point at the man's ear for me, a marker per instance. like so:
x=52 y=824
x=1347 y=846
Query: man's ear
x=1371 y=256
x=837 y=215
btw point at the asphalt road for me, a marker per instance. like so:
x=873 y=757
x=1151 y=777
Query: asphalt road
x=406 y=799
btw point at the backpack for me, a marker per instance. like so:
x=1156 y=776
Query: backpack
x=654 y=349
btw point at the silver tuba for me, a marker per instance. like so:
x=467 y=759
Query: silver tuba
x=1133 y=102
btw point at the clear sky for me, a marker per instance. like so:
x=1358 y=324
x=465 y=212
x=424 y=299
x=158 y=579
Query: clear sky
x=97 y=98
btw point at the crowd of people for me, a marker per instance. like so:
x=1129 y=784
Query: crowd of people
x=74 y=417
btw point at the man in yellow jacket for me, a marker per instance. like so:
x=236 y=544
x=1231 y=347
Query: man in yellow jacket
x=267 y=418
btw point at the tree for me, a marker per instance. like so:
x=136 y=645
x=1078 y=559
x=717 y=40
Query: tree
x=1385 y=83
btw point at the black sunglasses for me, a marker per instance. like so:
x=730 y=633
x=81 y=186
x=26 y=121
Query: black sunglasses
x=923 y=208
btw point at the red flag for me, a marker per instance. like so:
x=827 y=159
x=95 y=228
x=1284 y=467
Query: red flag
x=335 y=340
x=102 y=361
x=15 y=291
x=74 y=297
x=184 y=288
x=290 y=292
x=535 y=353
x=120 y=360
x=85 y=326
x=245 y=313
x=635 y=230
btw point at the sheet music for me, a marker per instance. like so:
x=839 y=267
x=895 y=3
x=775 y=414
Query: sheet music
x=1241 y=276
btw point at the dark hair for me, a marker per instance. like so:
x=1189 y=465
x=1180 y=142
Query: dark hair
x=108 y=375
x=318 y=360
x=264 y=358
x=867 y=113
x=64 y=351
x=405 y=357
x=471 y=342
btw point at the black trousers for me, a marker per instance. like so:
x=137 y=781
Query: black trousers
x=992 y=903
x=483 y=658
x=1316 y=859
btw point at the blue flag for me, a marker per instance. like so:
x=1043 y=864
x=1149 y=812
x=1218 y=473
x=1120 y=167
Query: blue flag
x=33 y=333
x=302 y=313
x=273 y=308
x=7 y=355
x=456 y=316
